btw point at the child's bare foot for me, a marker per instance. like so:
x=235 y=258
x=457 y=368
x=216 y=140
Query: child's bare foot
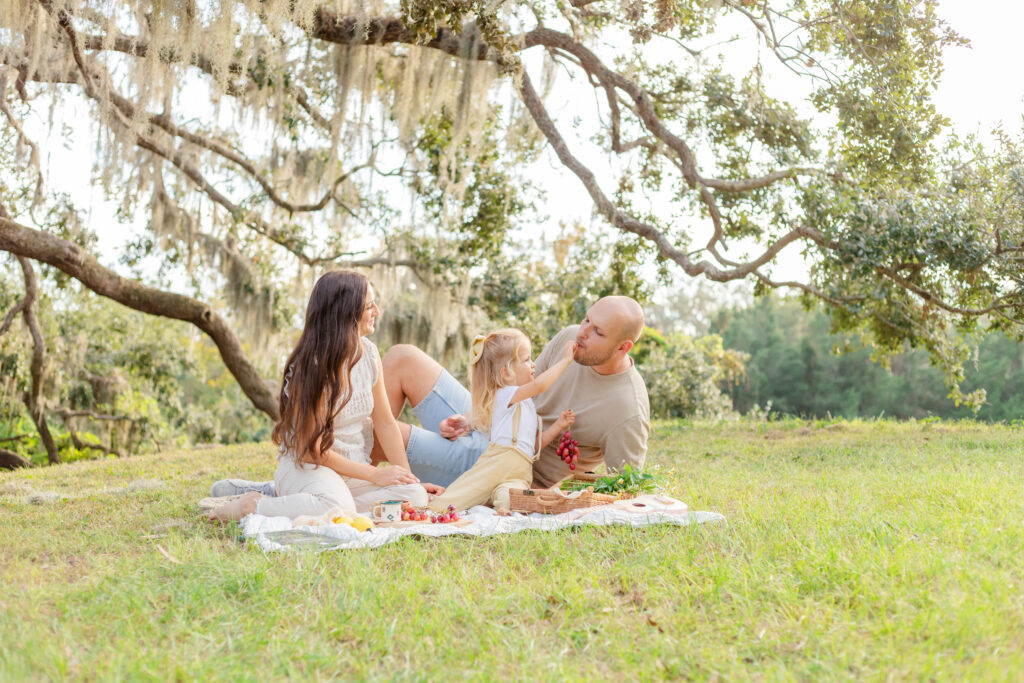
x=503 y=512
x=236 y=509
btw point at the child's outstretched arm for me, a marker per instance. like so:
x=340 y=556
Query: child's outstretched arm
x=564 y=421
x=545 y=379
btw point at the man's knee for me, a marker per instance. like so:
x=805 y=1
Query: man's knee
x=409 y=373
x=400 y=356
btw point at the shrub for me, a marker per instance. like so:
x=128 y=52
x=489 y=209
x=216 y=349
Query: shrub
x=685 y=376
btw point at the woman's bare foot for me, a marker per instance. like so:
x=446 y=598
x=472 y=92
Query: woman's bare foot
x=236 y=509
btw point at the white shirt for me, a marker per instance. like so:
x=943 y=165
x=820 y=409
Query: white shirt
x=501 y=421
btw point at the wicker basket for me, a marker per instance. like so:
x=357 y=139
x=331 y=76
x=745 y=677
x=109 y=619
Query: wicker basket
x=553 y=502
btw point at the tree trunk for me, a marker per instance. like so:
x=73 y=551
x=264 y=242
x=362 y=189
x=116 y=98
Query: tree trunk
x=81 y=265
x=39 y=418
x=33 y=398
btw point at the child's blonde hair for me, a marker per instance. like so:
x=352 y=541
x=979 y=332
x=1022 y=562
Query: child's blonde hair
x=489 y=355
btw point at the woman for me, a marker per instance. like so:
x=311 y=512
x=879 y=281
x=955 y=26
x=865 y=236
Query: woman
x=332 y=404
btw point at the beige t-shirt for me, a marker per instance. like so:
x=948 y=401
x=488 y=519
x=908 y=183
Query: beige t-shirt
x=613 y=415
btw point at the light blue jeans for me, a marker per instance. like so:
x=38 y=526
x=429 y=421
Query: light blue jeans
x=432 y=457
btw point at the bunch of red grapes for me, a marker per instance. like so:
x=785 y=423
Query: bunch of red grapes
x=411 y=514
x=568 y=450
x=445 y=517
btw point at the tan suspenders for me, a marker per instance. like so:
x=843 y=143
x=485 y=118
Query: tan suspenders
x=515 y=429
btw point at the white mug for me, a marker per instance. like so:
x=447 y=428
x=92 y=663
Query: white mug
x=388 y=511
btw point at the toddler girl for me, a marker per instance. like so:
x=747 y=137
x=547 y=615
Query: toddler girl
x=502 y=387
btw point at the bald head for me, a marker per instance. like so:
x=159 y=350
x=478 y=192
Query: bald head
x=606 y=335
x=624 y=316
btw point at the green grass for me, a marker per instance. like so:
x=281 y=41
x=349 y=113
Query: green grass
x=865 y=550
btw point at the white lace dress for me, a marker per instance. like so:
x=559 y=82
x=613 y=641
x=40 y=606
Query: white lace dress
x=353 y=427
x=309 y=490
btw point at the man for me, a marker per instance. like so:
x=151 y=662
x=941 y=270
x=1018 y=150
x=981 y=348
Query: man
x=602 y=387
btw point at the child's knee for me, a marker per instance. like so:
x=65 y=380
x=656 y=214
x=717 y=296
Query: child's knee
x=500 y=499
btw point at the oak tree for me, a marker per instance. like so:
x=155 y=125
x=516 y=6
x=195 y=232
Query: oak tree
x=266 y=140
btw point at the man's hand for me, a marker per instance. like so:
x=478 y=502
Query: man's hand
x=453 y=427
x=393 y=475
x=433 y=490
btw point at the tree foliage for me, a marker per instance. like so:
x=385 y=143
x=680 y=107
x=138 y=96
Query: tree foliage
x=688 y=377
x=120 y=383
x=798 y=367
x=266 y=140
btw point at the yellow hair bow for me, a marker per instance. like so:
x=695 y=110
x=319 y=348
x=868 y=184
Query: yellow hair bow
x=476 y=349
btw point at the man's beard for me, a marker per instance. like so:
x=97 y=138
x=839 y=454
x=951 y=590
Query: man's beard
x=586 y=359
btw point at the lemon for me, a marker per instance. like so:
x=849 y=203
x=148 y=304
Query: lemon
x=341 y=519
x=362 y=523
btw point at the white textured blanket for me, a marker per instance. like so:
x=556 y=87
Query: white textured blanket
x=278 y=533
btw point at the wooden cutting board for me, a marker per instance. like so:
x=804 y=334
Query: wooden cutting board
x=399 y=525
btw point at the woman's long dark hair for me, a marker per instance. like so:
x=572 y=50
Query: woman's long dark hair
x=318 y=373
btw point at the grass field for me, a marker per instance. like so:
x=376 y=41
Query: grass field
x=865 y=550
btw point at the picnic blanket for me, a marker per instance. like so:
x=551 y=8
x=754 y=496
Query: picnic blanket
x=279 y=533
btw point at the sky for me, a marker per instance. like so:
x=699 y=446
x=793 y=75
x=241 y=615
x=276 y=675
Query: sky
x=981 y=86
x=979 y=90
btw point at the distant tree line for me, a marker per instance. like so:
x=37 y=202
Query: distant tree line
x=792 y=363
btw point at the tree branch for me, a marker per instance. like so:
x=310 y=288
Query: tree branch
x=628 y=223
x=644 y=109
x=9 y=317
x=127 y=110
x=164 y=122
x=9 y=460
x=65 y=414
x=997 y=307
x=133 y=46
x=82 y=445
x=22 y=138
x=330 y=27
x=81 y=265
x=775 y=44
